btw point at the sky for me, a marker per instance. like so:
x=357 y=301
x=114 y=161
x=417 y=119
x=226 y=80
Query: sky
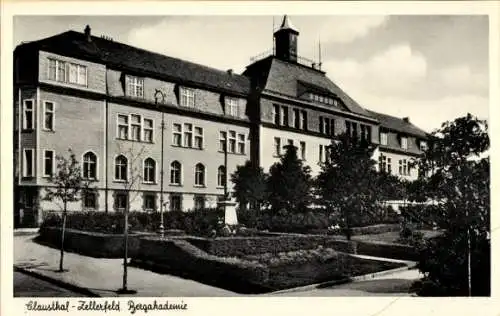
x=429 y=68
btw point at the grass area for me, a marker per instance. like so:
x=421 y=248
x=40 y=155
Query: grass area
x=392 y=237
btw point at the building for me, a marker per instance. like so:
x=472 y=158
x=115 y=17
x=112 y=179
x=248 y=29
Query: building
x=131 y=114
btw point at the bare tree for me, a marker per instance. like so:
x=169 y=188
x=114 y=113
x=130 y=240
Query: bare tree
x=131 y=186
x=67 y=184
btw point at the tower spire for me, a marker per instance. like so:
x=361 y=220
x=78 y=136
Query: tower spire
x=286 y=41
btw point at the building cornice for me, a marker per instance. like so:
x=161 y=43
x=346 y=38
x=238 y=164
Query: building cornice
x=393 y=150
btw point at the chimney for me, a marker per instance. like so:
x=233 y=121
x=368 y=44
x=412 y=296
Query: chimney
x=406 y=119
x=230 y=72
x=87 y=33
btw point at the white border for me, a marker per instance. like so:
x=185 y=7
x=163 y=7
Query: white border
x=273 y=306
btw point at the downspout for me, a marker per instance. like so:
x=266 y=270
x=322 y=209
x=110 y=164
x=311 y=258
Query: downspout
x=106 y=142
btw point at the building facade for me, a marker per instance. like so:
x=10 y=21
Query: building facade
x=134 y=118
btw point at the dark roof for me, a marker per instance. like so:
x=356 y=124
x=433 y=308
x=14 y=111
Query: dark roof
x=111 y=53
x=285 y=77
x=398 y=124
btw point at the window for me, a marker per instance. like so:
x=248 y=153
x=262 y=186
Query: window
x=290 y=142
x=277 y=146
x=175 y=173
x=89 y=199
x=176 y=202
x=199 y=202
x=48 y=163
x=241 y=143
x=121 y=168
x=404 y=142
x=149 y=201
x=303 y=150
x=284 y=116
x=221 y=176
x=48 y=115
x=199 y=175
x=382 y=163
x=198 y=137
x=327 y=153
x=403 y=167
x=296 y=118
x=122 y=126
x=135 y=86
x=89 y=166
x=351 y=129
x=366 y=132
x=320 y=159
x=187 y=97
x=148 y=130
x=383 y=138
x=77 y=74
x=321 y=125
x=135 y=124
x=28 y=114
x=389 y=166
x=177 y=134
x=276 y=114
x=57 y=70
x=327 y=126
x=232 y=105
x=303 y=120
x=121 y=201
x=423 y=145
x=28 y=163
x=188 y=135
x=149 y=170
x=232 y=142
x=222 y=141
x=332 y=127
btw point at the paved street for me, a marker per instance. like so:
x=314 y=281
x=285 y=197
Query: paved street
x=29 y=286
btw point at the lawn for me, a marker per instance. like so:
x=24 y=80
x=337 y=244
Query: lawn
x=392 y=237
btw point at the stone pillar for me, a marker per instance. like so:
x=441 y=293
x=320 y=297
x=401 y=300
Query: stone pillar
x=230 y=217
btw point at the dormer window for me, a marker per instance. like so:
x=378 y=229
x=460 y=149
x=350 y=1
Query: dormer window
x=404 y=142
x=232 y=106
x=134 y=86
x=423 y=145
x=187 y=97
x=322 y=99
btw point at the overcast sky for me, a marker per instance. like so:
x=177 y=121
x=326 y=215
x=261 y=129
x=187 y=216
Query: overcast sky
x=430 y=68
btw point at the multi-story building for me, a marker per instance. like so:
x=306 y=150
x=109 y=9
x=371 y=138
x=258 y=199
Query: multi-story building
x=127 y=113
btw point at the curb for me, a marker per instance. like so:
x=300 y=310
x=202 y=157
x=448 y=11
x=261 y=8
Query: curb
x=66 y=285
x=343 y=281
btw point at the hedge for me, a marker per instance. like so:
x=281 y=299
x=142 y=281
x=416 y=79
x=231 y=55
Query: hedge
x=200 y=222
x=91 y=244
x=243 y=246
x=181 y=258
x=387 y=250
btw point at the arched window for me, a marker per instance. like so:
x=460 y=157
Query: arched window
x=89 y=166
x=199 y=174
x=175 y=173
x=149 y=170
x=221 y=176
x=121 y=168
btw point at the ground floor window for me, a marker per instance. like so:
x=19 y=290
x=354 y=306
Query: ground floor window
x=89 y=199
x=120 y=201
x=176 y=202
x=149 y=202
x=199 y=202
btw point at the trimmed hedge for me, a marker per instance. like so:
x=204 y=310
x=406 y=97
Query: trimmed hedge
x=376 y=229
x=91 y=244
x=181 y=258
x=200 y=222
x=243 y=246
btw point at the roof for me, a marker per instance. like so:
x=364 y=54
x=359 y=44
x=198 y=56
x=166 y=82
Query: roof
x=398 y=124
x=287 y=24
x=276 y=75
x=111 y=53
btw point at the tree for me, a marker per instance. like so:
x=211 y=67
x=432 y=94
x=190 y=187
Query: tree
x=289 y=183
x=457 y=263
x=348 y=181
x=66 y=186
x=131 y=179
x=249 y=185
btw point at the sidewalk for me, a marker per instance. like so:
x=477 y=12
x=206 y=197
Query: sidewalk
x=102 y=277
